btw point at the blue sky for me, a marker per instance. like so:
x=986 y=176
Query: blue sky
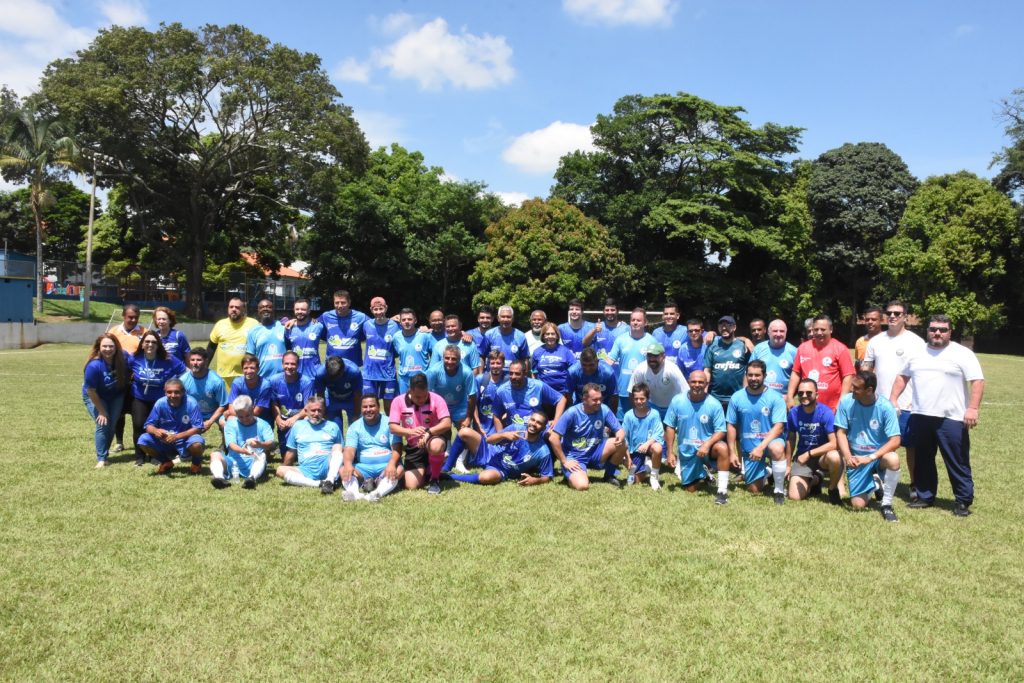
x=497 y=91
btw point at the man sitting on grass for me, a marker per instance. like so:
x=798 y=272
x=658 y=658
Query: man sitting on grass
x=582 y=429
x=317 y=443
x=371 y=457
x=523 y=456
x=247 y=440
x=174 y=429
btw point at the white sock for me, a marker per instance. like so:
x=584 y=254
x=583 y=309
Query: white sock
x=352 y=486
x=679 y=469
x=385 y=486
x=779 y=475
x=460 y=462
x=334 y=466
x=217 y=468
x=889 y=481
x=259 y=466
x=299 y=479
x=723 y=481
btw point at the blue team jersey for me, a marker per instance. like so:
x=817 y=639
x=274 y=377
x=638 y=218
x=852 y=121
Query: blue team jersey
x=454 y=389
x=604 y=340
x=867 y=427
x=379 y=360
x=313 y=442
x=779 y=363
x=694 y=423
x=413 y=353
x=690 y=358
x=628 y=353
x=339 y=391
x=470 y=356
x=672 y=341
x=513 y=344
x=483 y=345
x=573 y=339
x=148 y=376
x=344 y=334
x=208 y=391
x=514 y=406
x=176 y=344
x=552 y=366
x=519 y=457
x=604 y=377
x=582 y=431
x=237 y=433
x=372 y=442
x=103 y=380
x=290 y=397
x=754 y=415
x=640 y=430
x=267 y=344
x=175 y=420
x=260 y=394
x=305 y=341
x=486 y=391
x=812 y=429
x=727 y=365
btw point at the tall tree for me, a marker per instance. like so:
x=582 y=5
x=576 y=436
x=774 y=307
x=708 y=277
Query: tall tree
x=950 y=252
x=34 y=150
x=684 y=185
x=856 y=195
x=1010 y=179
x=545 y=253
x=67 y=214
x=219 y=137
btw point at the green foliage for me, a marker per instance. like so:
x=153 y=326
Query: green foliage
x=1010 y=179
x=950 y=252
x=218 y=137
x=67 y=214
x=544 y=254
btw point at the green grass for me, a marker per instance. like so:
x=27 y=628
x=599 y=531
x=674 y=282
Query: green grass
x=122 y=575
x=66 y=310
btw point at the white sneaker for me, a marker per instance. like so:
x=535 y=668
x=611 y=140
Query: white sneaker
x=655 y=484
x=373 y=497
x=460 y=464
x=349 y=496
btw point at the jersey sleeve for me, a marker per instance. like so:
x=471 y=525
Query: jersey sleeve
x=263 y=430
x=719 y=415
x=250 y=341
x=778 y=409
x=549 y=395
x=657 y=428
x=845 y=364
x=730 y=417
x=231 y=432
x=842 y=419
x=610 y=419
x=563 y=424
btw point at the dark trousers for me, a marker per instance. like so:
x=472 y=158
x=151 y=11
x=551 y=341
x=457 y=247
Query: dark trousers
x=953 y=440
x=140 y=413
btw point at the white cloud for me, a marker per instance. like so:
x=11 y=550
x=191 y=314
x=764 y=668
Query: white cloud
x=352 y=70
x=539 y=151
x=514 y=199
x=618 y=12
x=379 y=128
x=32 y=34
x=433 y=56
x=124 y=12
x=396 y=23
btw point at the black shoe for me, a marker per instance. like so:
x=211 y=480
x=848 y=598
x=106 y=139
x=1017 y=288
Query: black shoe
x=888 y=515
x=327 y=487
x=367 y=485
x=834 y=498
x=919 y=504
x=721 y=498
x=614 y=481
x=960 y=510
x=139 y=462
x=434 y=488
x=815 y=488
x=220 y=482
x=249 y=483
x=780 y=498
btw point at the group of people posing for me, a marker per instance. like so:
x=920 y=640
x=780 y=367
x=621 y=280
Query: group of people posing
x=396 y=404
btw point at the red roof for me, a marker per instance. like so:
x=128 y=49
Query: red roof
x=283 y=271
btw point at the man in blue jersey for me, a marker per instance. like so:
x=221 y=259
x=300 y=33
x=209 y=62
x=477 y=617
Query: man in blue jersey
x=812 y=448
x=756 y=419
x=435 y=323
x=590 y=370
x=725 y=361
x=266 y=340
x=629 y=352
x=695 y=437
x=487 y=388
x=691 y=352
x=248 y=440
x=578 y=441
x=523 y=456
x=343 y=328
x=412 y=348
x=868 y=433
x=379 y=360
x=575 y=331
x=315 y=443
x=252 y=385
x=484 y=322
x=206 y=387
x=341 y=383
x=455 y=383
x=371 y=456
x=289 y=392
x=511 y=341
x=671 y=334
x=778 y=356
x=454 y=336
x=521 y=395
x=174 y=429
x=604 y=333
x=303 y=337
x=645 y=436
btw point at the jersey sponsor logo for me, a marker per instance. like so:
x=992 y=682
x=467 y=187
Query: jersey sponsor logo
x=598 y=424
x=755 y=426
x=727 y=365
x=826 y=361
x=874 y=423
x=334 y=341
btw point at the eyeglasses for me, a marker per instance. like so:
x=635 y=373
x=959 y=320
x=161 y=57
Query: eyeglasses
x=894 y=314
x=941 y=330
x=805 y=393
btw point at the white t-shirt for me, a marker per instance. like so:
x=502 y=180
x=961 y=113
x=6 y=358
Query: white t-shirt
x=533 y=342
x=664 y=386
x=889 y=355
x=940 y=380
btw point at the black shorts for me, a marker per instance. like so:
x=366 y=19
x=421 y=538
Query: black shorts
x=416 y=458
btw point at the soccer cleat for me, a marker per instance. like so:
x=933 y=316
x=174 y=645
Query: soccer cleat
x=834 y=498
x=349 y=496
x=139 y=462
x=176 y=461
x=117 y=447
x=373 y=497
x=721 y=498
x=779 y=498
x=919 y=504
x=614 y=481
x=434 y=488
x=878 y=486
x=165 y=467
x=327 y=487
x=220 y=482
x=655 y=484
x=888 y=515
x=961 y=510
x=195 y=468
x=249 y=483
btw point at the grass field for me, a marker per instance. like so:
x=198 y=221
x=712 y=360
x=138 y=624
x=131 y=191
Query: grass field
x=66 y=310
x=118 y=574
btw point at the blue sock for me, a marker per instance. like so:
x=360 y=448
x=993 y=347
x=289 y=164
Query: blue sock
x=611 y=469
x=466 y=478
x=453 y=453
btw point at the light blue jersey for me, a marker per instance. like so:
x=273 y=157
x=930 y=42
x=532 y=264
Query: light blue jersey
x=313 y=445
x=208 y=391
x=237 y=433
x=694 y=423
x=470 y=356
x=640 y=430
x=672 y=341
x=779 y=363
x=754 y=415
x=454 y=389
x=372 y=443
x=868 y=428
x=267 y=344
x=628 y=353
x=413 y=353
x=604 y=340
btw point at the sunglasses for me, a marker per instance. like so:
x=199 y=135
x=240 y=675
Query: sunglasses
x=805 y=393
x=942 y=330
x=894 y=314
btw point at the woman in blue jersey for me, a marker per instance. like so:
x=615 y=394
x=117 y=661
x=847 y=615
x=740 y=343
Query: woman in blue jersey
x=151 y=367
x=175 y=342
x=552 y=360
x=103 y=387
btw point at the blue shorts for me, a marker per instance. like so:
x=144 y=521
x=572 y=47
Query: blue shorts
x=482 y=457
x=167 y=451
x=862 y=481
x=242 y=462
x=691 y=469
x=906 y=433
x=371 y=471
x=386 y=389
x=590 y=458
x=756 y=470
x=315 y=468
x=640 y=460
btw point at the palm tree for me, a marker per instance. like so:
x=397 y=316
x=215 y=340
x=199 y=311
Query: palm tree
x=34 y=145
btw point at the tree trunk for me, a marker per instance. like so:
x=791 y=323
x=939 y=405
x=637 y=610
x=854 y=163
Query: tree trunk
x=40 y=288
x=194 y=279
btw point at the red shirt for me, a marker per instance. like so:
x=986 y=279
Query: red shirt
x=827 y=366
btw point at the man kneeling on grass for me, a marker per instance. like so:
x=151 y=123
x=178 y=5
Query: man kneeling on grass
x=509 y=454
x=582 y=429
x=174 y=429
x=317 y=442
x=372 y=456
x=248 y=439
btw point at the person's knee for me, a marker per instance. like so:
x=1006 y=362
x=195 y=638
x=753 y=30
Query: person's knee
x=656 y=450
x=580 y=481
